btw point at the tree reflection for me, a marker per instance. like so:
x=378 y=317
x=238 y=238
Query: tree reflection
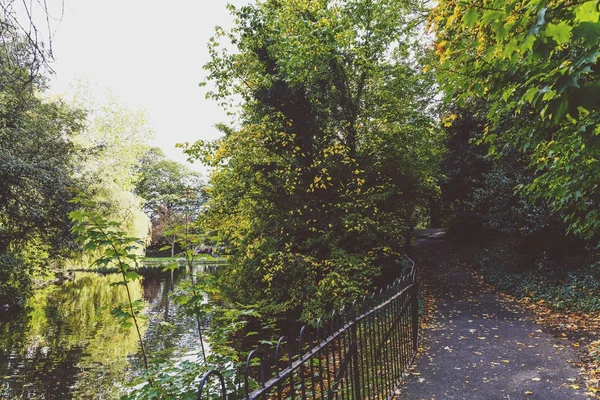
x=66 y=342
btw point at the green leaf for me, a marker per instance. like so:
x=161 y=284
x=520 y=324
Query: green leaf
x=500 y=31
x=510 y=48
x=527 y=44
x=565 y=82
x=490 y=16
x=132 y=275
x=561 y=33
x=561 y=111
x=171 y=267
x=470 y=17
x=589 y=32
x=530 y=94
x=587 y=12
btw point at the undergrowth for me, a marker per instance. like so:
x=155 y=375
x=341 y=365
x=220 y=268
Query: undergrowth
x=566 y=285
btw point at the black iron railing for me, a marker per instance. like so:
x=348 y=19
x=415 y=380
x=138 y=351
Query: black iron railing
x=361 y=353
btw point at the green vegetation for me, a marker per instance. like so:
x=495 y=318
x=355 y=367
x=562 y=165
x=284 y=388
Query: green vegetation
x=535 y=63
x=521 y=80
x=569 y=285
x=352 y=129
x=100 y=235
x=173 y=197
x=316 y=187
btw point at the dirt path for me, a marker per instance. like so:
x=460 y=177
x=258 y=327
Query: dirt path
x=482 y=346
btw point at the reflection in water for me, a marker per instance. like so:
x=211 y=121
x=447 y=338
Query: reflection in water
x=65 y=344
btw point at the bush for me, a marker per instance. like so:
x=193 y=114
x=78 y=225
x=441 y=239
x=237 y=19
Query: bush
x=569 y=285
x=15 y=284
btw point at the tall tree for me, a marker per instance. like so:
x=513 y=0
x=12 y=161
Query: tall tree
x=173 y=195
x=38 y=159
x=315 y=187
x=535 y=62
x=114 y=138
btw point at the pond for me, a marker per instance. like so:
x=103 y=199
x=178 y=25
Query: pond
x=65 y=344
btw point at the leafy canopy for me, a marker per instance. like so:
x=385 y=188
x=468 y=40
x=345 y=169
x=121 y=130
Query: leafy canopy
x=315 y=186
x=535 y=62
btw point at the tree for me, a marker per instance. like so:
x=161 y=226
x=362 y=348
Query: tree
x=316 y=186
x=479 y=189
x=535 y=62
x=113 y=140
x=173 y=194
x=38 y=159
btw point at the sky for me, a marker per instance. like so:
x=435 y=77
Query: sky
x=150 y=53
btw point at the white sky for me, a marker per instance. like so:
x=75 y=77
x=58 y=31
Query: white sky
x=151 y=54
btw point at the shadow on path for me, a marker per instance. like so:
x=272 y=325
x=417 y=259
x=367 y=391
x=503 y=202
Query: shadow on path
x=483 y=346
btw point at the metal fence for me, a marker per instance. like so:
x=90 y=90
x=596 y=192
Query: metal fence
x=361 y=352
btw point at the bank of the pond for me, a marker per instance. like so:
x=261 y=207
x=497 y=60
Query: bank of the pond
x=65 y=344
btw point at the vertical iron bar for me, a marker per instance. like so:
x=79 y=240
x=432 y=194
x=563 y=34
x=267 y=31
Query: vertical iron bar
x=361 y=351
x=393 y=341
x=415 y=315
x=380 y=369
x=327 y=369
x=397 y=336
x=319 y=357
x=333 y=330
x=311 y=367
x=387 y=331
x=385 y=370
x=302 y=367
x=372 y=347
x=355 y=360
x=404 y=336
x=342 y=347
x=392 y=336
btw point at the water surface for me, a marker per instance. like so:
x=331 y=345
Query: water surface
x=65 y=344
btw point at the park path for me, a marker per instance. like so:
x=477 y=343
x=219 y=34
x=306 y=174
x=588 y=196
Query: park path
x=483 y=346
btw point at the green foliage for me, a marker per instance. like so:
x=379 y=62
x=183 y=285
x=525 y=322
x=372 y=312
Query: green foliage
x=479 y=188
x=173 y=196
x=38 y=159
x=179 y=379
x=535 y=62
x=15 y=284
x=113 y=141
x=163 y=183
x=106 y=238
x=190 y=295
x=558 y=285
x=315 y=188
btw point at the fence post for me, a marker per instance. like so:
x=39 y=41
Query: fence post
x=355 y=360
x=415 y=313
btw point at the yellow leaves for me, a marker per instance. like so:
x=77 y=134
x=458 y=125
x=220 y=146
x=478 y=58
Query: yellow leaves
x=574 y=386
x=448 y=120
x=528 y=392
